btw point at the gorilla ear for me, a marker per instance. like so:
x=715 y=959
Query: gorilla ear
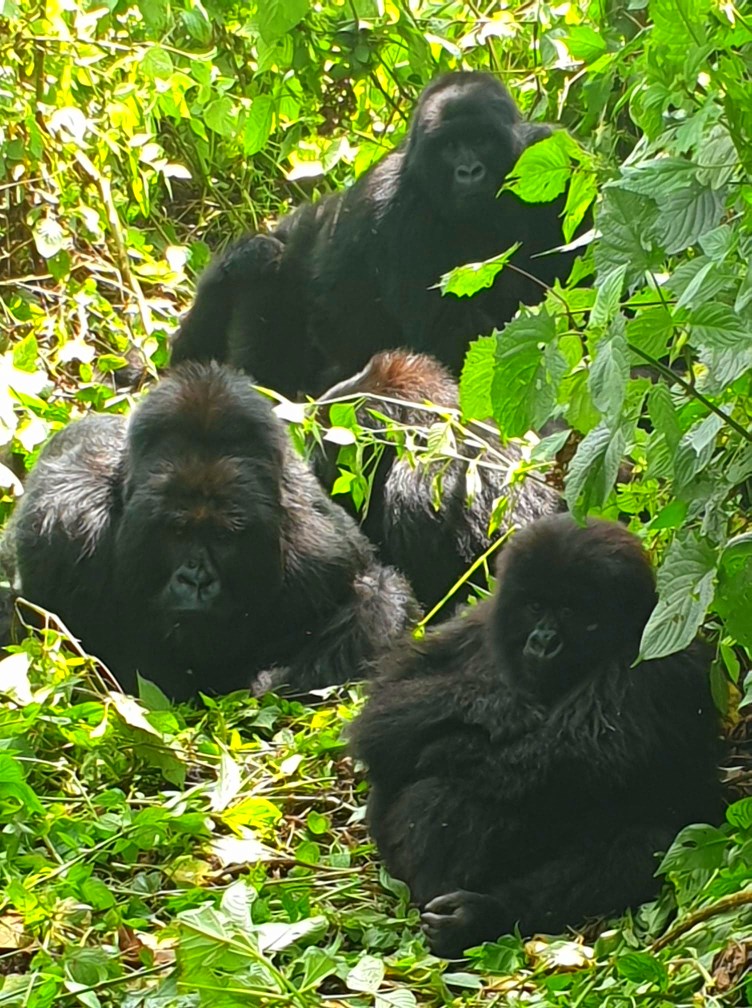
x=527 y=134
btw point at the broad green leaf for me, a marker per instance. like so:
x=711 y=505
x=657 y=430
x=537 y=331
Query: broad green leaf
x=696 y=846
x=274 y=18
x=593 y=469
x=220 y=116
x=584 y=43
x=157 y=63
x=740 y=813
x=542 y=170
x=395 y=999
x=642 y=967
x=275 y=936
x=626 y=222
x=733 y=597
x=366 y=976
x=582 y=191
x=609 y=375
x=717 y=327
x=695 y=449
x=477 y=378
x=685 y=589
x=258 y=124
x=686 y=215
x=658 y=178
x=608 y=297
x=464 y=281
x=520 y=389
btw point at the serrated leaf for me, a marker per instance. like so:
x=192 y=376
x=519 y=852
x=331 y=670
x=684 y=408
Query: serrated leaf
x=663 y=415
x=520 y=389
x=468 y=279
x=718 y=327
x=477 y=378
x=626 y=222
x=695 y=449
x=593 y=469
x=686 y=215
x=608 y=295
x=581 y=192
x=658 y=177
x=542 y=170
x=609 y=375
x=395 y=999
x=366 y=976
x=685 y=590
x=733 y=597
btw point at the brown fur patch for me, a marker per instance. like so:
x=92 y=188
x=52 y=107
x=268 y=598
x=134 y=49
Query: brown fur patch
x=399 y=374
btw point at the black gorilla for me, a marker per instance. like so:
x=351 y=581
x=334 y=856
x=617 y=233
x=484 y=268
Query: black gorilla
x=189 y=544
x=433 y=547
x=357 y=271
x=523 y=772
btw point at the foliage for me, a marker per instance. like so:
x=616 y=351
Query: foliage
x=154 y=856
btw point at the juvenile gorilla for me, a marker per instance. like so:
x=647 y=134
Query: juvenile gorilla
x=189 y=544
x=357 y=271
x=433 y=547
x=522 y=771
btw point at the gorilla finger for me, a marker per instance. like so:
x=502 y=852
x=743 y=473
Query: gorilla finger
x=446 y=903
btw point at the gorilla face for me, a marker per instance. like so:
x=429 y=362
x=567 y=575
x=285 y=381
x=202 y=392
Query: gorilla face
x=571 y=599
x=464 y=141
x=198 y=545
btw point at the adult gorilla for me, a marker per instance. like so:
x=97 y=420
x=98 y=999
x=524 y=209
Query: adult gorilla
x=523 y=771
x=357 y=271
x=432 y=542
x=189 y=544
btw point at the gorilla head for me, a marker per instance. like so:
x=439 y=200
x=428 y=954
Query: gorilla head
x=570 y=599
x=201 y=501
x=465 y=138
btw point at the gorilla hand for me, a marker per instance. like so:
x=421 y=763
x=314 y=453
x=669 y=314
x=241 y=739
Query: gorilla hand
x=456 y=921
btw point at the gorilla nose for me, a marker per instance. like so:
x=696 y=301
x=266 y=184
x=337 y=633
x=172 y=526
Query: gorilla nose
x=544 y=643
x=469 y=174
x=194 y=587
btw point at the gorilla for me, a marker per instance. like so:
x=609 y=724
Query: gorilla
x=189 y=544
x=357 y=271
x=433 y=546
x=524 y=771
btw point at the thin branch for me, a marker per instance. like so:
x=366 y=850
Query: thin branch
x=722 y=906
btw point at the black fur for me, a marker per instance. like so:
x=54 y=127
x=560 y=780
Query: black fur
x=357 y=271
x=522 y=771
x=191 y=545
x=433 y=547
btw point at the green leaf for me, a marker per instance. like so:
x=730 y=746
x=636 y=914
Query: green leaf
x=49 y=237
x=609 y=375
x=464 y=281
x=696 y=448
x=685 y=590
x=275 y=18
x=366 y=976
x=157 y=63
x=520 y=390
x=658 y=177
x=686 y=215
x=584 y=43
x=258 y=124
x=740 y=813
x=477 y=378
x=696 y=847
x=717 y=327
x=626 y=222
x=395 y=999
x=733 y=597
x=642 y=967
x=542 y=170
x=219 y=115
x=608 y=296
x=593 y=469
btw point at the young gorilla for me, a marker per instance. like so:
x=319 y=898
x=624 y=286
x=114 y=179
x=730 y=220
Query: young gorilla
x=189 y=544
x=522 y=771
x=433 y=547
x=357 y=271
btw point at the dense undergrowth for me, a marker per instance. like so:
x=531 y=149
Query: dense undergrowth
x=173 y=857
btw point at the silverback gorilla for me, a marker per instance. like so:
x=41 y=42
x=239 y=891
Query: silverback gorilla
x=189 y=544
x=357 y=271
x=433 y=546
x=522 y=771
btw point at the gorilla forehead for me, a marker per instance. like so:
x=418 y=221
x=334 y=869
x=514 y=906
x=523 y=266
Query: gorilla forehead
x=558 y=554
x=461 y=97
x=205 y=404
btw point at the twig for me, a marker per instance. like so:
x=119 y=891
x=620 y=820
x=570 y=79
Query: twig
x=722 y=906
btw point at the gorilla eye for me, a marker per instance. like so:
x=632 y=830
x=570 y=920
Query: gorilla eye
x=535 y=607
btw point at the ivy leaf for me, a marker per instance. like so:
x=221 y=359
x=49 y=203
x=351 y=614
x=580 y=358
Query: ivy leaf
x=685 y=590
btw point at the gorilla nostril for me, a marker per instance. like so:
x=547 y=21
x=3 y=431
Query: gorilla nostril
x=469 y=174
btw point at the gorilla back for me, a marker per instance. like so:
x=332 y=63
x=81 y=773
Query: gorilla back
x=523 y=770
x=190 y=545
x=357 y=271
